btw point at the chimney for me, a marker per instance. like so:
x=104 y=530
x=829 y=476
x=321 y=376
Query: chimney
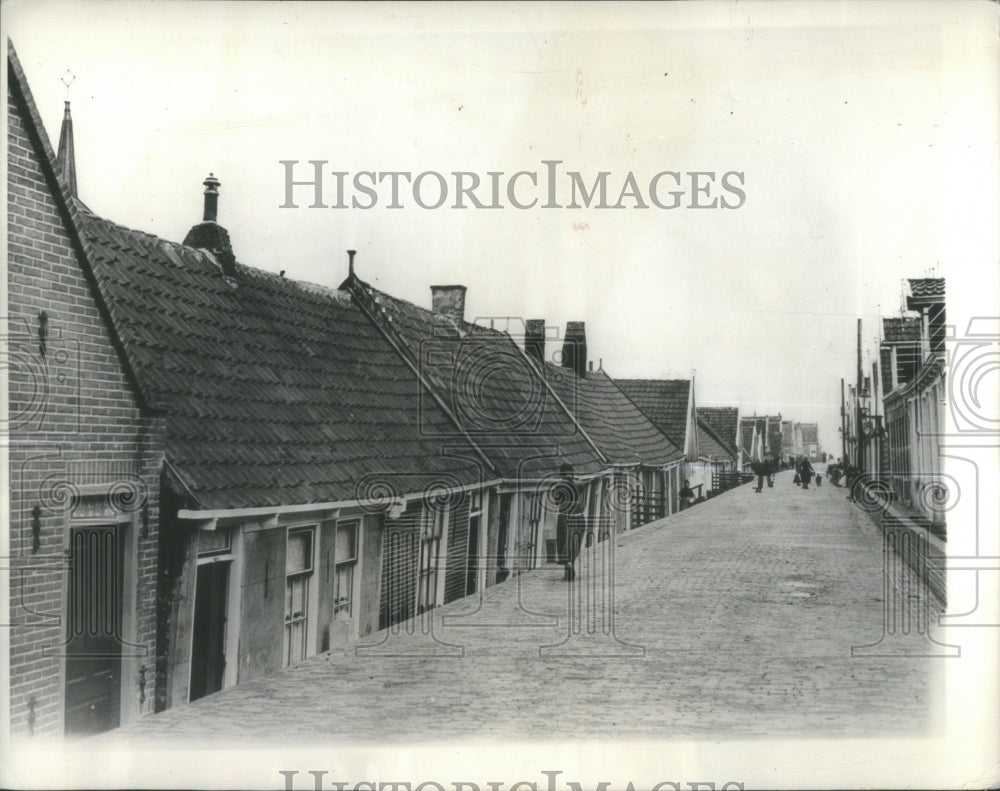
x=211 y=198
x=66 y=156
x=534 y=341
x=208 y=234
x=449 y=301
x=574 y=354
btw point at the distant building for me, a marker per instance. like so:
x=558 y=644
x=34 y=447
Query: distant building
x=670 y=405
x=760 y=438
x=646 y=466
x=718 y=428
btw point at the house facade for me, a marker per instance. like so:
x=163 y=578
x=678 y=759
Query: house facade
x=718 y=429
x=501 y=408
x=217 y=472
x=646 y=468
x=914 y=383
x=85 y=452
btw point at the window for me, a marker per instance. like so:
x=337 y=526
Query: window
x=214 y=542
x=298 y=570
x=345 y=555
x=431 y=533
x=299 y=557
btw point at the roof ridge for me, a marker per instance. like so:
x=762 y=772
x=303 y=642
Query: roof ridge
x=430 y=312
x=306 y=285
x=711 y=432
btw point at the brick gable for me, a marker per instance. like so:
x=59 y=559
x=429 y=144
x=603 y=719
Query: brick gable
x=80 y=444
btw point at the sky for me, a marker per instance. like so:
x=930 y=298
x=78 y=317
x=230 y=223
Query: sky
x=863 y=134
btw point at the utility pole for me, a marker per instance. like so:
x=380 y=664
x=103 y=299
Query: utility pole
x=843 y=424
x=860 y=428
x=877 y=447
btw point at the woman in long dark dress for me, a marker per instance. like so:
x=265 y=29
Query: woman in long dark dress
x=806 y=473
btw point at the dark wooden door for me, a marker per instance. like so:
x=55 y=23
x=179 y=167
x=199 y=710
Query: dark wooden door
x=472 y=556
x=93 y=631
x=208 y=647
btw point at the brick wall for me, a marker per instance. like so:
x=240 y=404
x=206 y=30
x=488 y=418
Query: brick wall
x=80 y=447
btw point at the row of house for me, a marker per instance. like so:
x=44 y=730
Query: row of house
x=800 y=439
x=216 y=471
x=894 y=416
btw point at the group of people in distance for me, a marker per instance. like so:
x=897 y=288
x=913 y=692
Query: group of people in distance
x=765 y=469
x=804 y=473
x=840 y=471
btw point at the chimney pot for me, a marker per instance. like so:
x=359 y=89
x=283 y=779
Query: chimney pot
x=449 y=301
x=211 y=198
x=574 y=354
x=534 y=340
x=350 y=261
x=208 y=234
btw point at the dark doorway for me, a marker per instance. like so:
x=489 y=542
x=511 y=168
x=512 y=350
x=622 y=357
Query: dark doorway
x=208 y=647
x=472 y=556
x=504 y=518
x=93 y=630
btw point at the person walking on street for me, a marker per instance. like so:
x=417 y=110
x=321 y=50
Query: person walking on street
x=687 y=495
x=852 y=477
x=570 y=523
x=805 y=472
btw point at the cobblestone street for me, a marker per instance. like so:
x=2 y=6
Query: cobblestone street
x=734 y=619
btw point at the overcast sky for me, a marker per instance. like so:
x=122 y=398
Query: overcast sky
x=866 y=136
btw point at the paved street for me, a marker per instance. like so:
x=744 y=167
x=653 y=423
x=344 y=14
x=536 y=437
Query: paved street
x=734 y=619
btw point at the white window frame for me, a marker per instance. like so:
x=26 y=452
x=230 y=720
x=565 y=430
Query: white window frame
x=340 y=564
x=309 y=597
x=431 y=572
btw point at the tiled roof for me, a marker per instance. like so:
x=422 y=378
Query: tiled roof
x=497 y=397
x=709 y=445
x=723 y=422
x=927 y=287
x=275 y=392
x=898 y=330
x=663 y=401
x=616 y=425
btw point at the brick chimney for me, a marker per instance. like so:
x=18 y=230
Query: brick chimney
x=449 y=301
x=208 y=234
x=534 y=341
x=574 y=354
